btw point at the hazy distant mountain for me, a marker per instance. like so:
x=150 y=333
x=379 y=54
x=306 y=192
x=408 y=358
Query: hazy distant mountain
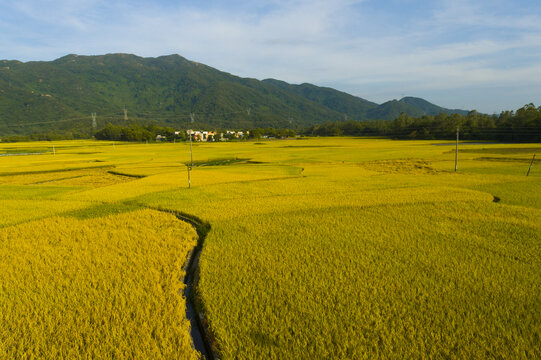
x=61 y=95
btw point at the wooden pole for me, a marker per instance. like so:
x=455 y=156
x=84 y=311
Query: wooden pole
x=530 y=168
x=456 y=151
x=191 y=161
x=191 y=152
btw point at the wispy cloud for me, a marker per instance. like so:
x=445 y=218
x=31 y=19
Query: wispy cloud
x=375 y=49
x=489 y=14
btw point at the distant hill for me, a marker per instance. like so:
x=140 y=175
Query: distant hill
x=392 y=109
x=414 y=107
x=61 y=95
x=429 y=108
x=354 y=107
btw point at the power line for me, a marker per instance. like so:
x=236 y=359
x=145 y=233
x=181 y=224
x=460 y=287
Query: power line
x=187 y=115
x=59 y=120
x=158 y=116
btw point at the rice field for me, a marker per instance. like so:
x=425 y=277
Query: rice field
x=106 y=287
x=343 y=248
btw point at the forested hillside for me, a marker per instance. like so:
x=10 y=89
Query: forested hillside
x=61 y=95
x=163 y=90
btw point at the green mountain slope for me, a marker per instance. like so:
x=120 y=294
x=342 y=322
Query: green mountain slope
x=428 y=108
x=352 y=106
x=60 y=95
x=166 y=90
x=412 y=106
x=392 y=109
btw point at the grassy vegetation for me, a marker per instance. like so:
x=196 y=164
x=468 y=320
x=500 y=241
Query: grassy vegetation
x=322 y=248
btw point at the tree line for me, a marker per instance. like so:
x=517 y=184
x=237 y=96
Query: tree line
x=523 y=125
x=136 y=132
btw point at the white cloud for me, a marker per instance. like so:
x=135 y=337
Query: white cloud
x=462 y=44
x=487 y=14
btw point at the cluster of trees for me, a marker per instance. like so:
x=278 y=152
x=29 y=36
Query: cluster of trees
x=47 y=136
x=270 y=132
x=136 y=132
x=524 y=125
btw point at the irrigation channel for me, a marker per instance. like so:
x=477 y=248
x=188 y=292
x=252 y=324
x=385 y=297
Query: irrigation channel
x=199 y=333
x=21 y=154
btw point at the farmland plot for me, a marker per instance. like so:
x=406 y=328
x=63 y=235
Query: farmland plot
x=318 y=248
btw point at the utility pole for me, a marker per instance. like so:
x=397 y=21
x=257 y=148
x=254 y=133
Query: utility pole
x=191 y=152
x=530 y=168
x=125 y=114
x=189 y=181
x=94 y=124
x=191 y=160
x=456 y=151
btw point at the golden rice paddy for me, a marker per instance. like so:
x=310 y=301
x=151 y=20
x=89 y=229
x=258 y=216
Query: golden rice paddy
x=319 y=248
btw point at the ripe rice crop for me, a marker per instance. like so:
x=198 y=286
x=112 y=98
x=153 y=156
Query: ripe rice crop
x=87 y=177
x=320 y=248
x=107 y=287
x=20 y=211
x=389 y=259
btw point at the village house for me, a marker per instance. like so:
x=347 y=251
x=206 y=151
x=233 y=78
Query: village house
x=215 y=136
x=237 y=134
x=202 y=135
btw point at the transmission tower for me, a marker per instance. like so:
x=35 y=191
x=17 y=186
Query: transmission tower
x=125 y=114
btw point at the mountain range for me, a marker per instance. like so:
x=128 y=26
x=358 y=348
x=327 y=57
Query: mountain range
x=171 y=90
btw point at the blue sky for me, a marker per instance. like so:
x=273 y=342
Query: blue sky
x=483 y=55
